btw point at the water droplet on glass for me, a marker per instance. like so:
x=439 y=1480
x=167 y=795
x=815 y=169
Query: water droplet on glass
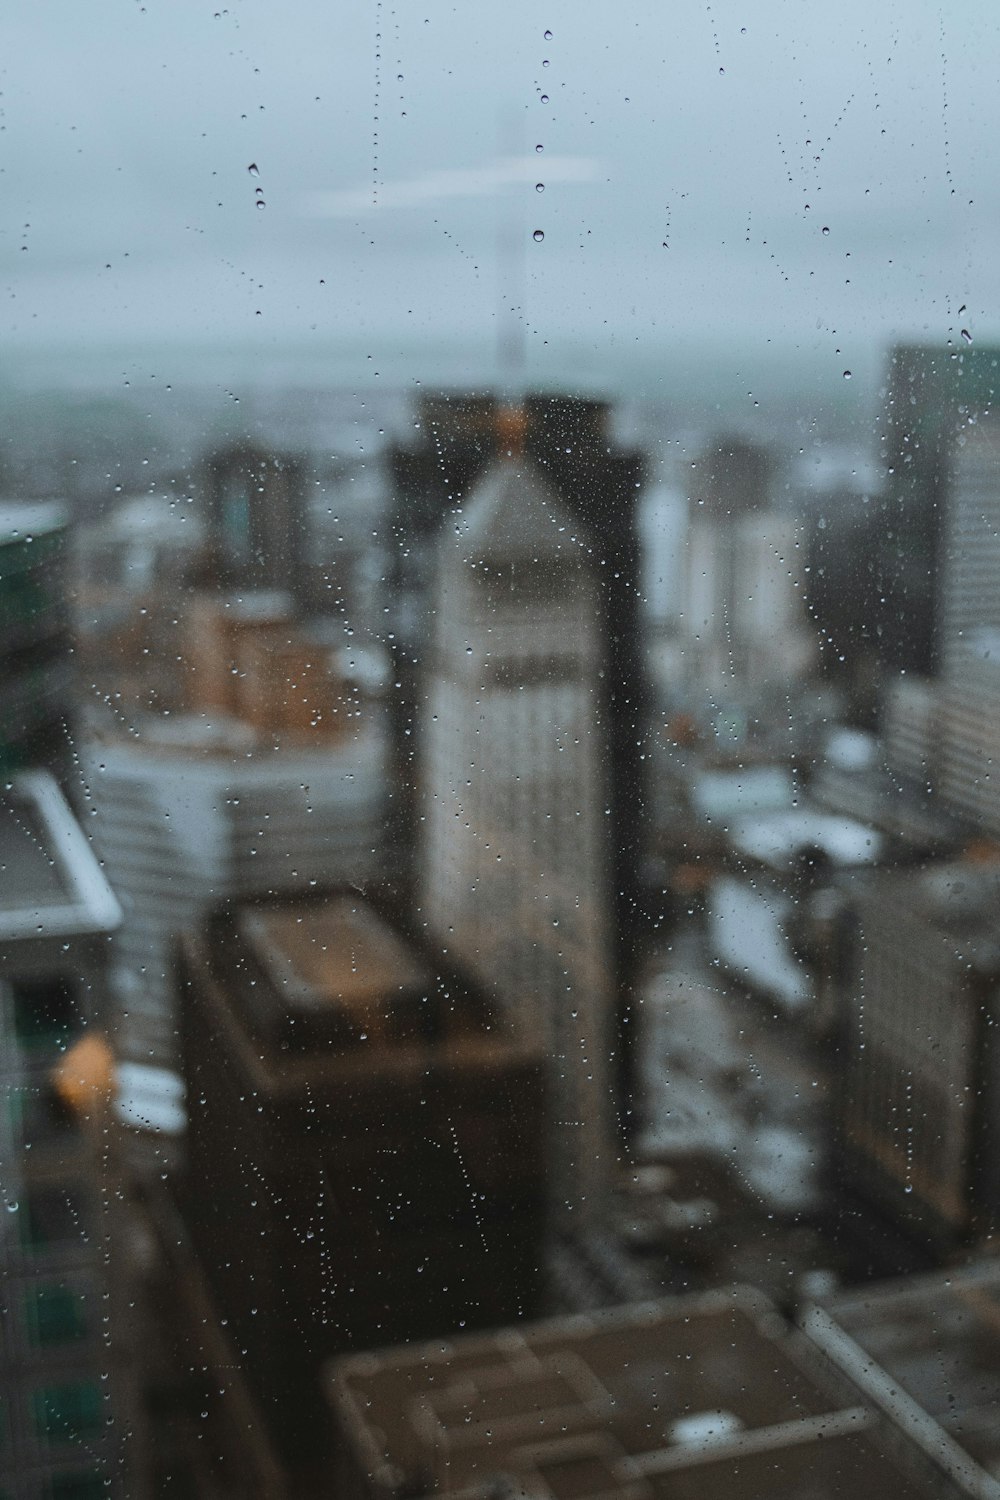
x=826 y=229
x=539 y=187
x=847 y=374
x=540 y=149
x=545 y=98
x=547 y=35
x=538 y=236
x=261 y=203
x=967 y=336
x=253 y=169
x=545 y=62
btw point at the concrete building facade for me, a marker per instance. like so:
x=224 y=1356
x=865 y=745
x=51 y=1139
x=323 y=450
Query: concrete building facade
x=514 y=874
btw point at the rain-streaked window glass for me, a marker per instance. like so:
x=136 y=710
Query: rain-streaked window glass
x=499 y=702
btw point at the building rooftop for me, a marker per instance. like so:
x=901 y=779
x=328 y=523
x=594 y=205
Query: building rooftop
x=22 y=519
x=50 y=881
x=340 y=954
x=687 y=1398
x=778 y=839
x=927 y=1351
x=315 y=986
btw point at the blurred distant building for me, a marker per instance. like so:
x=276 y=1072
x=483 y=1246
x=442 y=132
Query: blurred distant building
x=933 y=395
x=969 y=648
x=65 y=1387
x=920 y=1129
x=516 y=869
x=273 y=779
x=345 y=556
x=36 y=680
x=699 y=1396
x=256 y=516
x=597 y=485
x=944 y=731
x=364 y=1147
x=741 y=628
x=132 y=573
x=924 y=1351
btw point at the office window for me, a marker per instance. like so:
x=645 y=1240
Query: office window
x=50 y=1218
x=56 y=1314
x=45 y=1012
x=84 y=1485
x=68 y=1413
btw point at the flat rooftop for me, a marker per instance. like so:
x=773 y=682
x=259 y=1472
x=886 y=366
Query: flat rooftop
x=339 y=954
x=689 y=1398
x=327 y=983
x=927 y=1345
x=51 y=884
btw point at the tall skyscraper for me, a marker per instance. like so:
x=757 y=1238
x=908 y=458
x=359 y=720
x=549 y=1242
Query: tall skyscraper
x=931 y=395
x=567 y=445
x=36 y=677
x=946 y=730
x=741 y=626
x=256 y=518
x=515 y=867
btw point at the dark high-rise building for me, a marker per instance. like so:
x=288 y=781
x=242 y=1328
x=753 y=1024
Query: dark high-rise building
x=64 y=1428
x=567 y=441
x=364 y=1146
x=932 y=395
x=256 y=518
x=35 y=669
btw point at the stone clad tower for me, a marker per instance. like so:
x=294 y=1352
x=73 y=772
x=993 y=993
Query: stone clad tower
x=514 y=868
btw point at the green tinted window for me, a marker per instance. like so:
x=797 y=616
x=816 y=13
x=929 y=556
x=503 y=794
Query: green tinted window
x=44 y=1013
x=84 y=1485
x=56 y=1315
x=68 y=1412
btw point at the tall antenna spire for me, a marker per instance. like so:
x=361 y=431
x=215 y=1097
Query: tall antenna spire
x=511 y=279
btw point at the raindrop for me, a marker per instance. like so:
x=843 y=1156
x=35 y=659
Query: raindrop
x=540 y=149
x=961 y=310
x=967 y=336
x=545 y=98
x=539 y=187
x=545 y=62
x=547 y=35
x=826 y=229
x=847 y=374
x=261 y=203
x=253 y=169
x=538 y=236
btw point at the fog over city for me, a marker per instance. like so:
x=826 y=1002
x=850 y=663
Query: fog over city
x=757 y=190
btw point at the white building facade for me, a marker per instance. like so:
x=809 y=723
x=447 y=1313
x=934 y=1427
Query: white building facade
x=513 y=872
x=189 y=817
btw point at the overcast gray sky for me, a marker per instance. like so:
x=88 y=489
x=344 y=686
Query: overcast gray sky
x=820 y=177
